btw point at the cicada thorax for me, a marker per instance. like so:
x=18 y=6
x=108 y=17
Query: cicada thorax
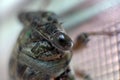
x=42 y=49
x=34 y=44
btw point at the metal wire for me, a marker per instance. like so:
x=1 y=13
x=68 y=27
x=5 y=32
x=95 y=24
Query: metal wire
x=101 y=58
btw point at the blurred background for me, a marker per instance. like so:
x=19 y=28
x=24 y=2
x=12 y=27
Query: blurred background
x=99 y=60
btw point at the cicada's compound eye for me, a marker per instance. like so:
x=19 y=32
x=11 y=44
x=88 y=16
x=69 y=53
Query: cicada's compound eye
x=62 y=41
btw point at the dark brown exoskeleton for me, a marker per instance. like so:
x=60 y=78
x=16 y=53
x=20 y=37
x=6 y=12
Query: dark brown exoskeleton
x=43 y=49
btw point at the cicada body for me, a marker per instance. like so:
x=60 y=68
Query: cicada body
x=43 y=49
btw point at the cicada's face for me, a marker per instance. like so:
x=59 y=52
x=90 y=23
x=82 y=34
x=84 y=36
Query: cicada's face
x=48 y=26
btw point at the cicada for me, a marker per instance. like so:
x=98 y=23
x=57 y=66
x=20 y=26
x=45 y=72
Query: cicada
x=43 y=50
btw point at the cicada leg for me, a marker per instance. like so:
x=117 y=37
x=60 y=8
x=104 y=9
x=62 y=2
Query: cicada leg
x=81 y=41
x=67 y=75
x=83 y=38
x=82 y=75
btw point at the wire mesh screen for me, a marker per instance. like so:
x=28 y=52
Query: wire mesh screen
x=101 y=59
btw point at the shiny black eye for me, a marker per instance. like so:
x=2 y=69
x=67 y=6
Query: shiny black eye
x=62 y=41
